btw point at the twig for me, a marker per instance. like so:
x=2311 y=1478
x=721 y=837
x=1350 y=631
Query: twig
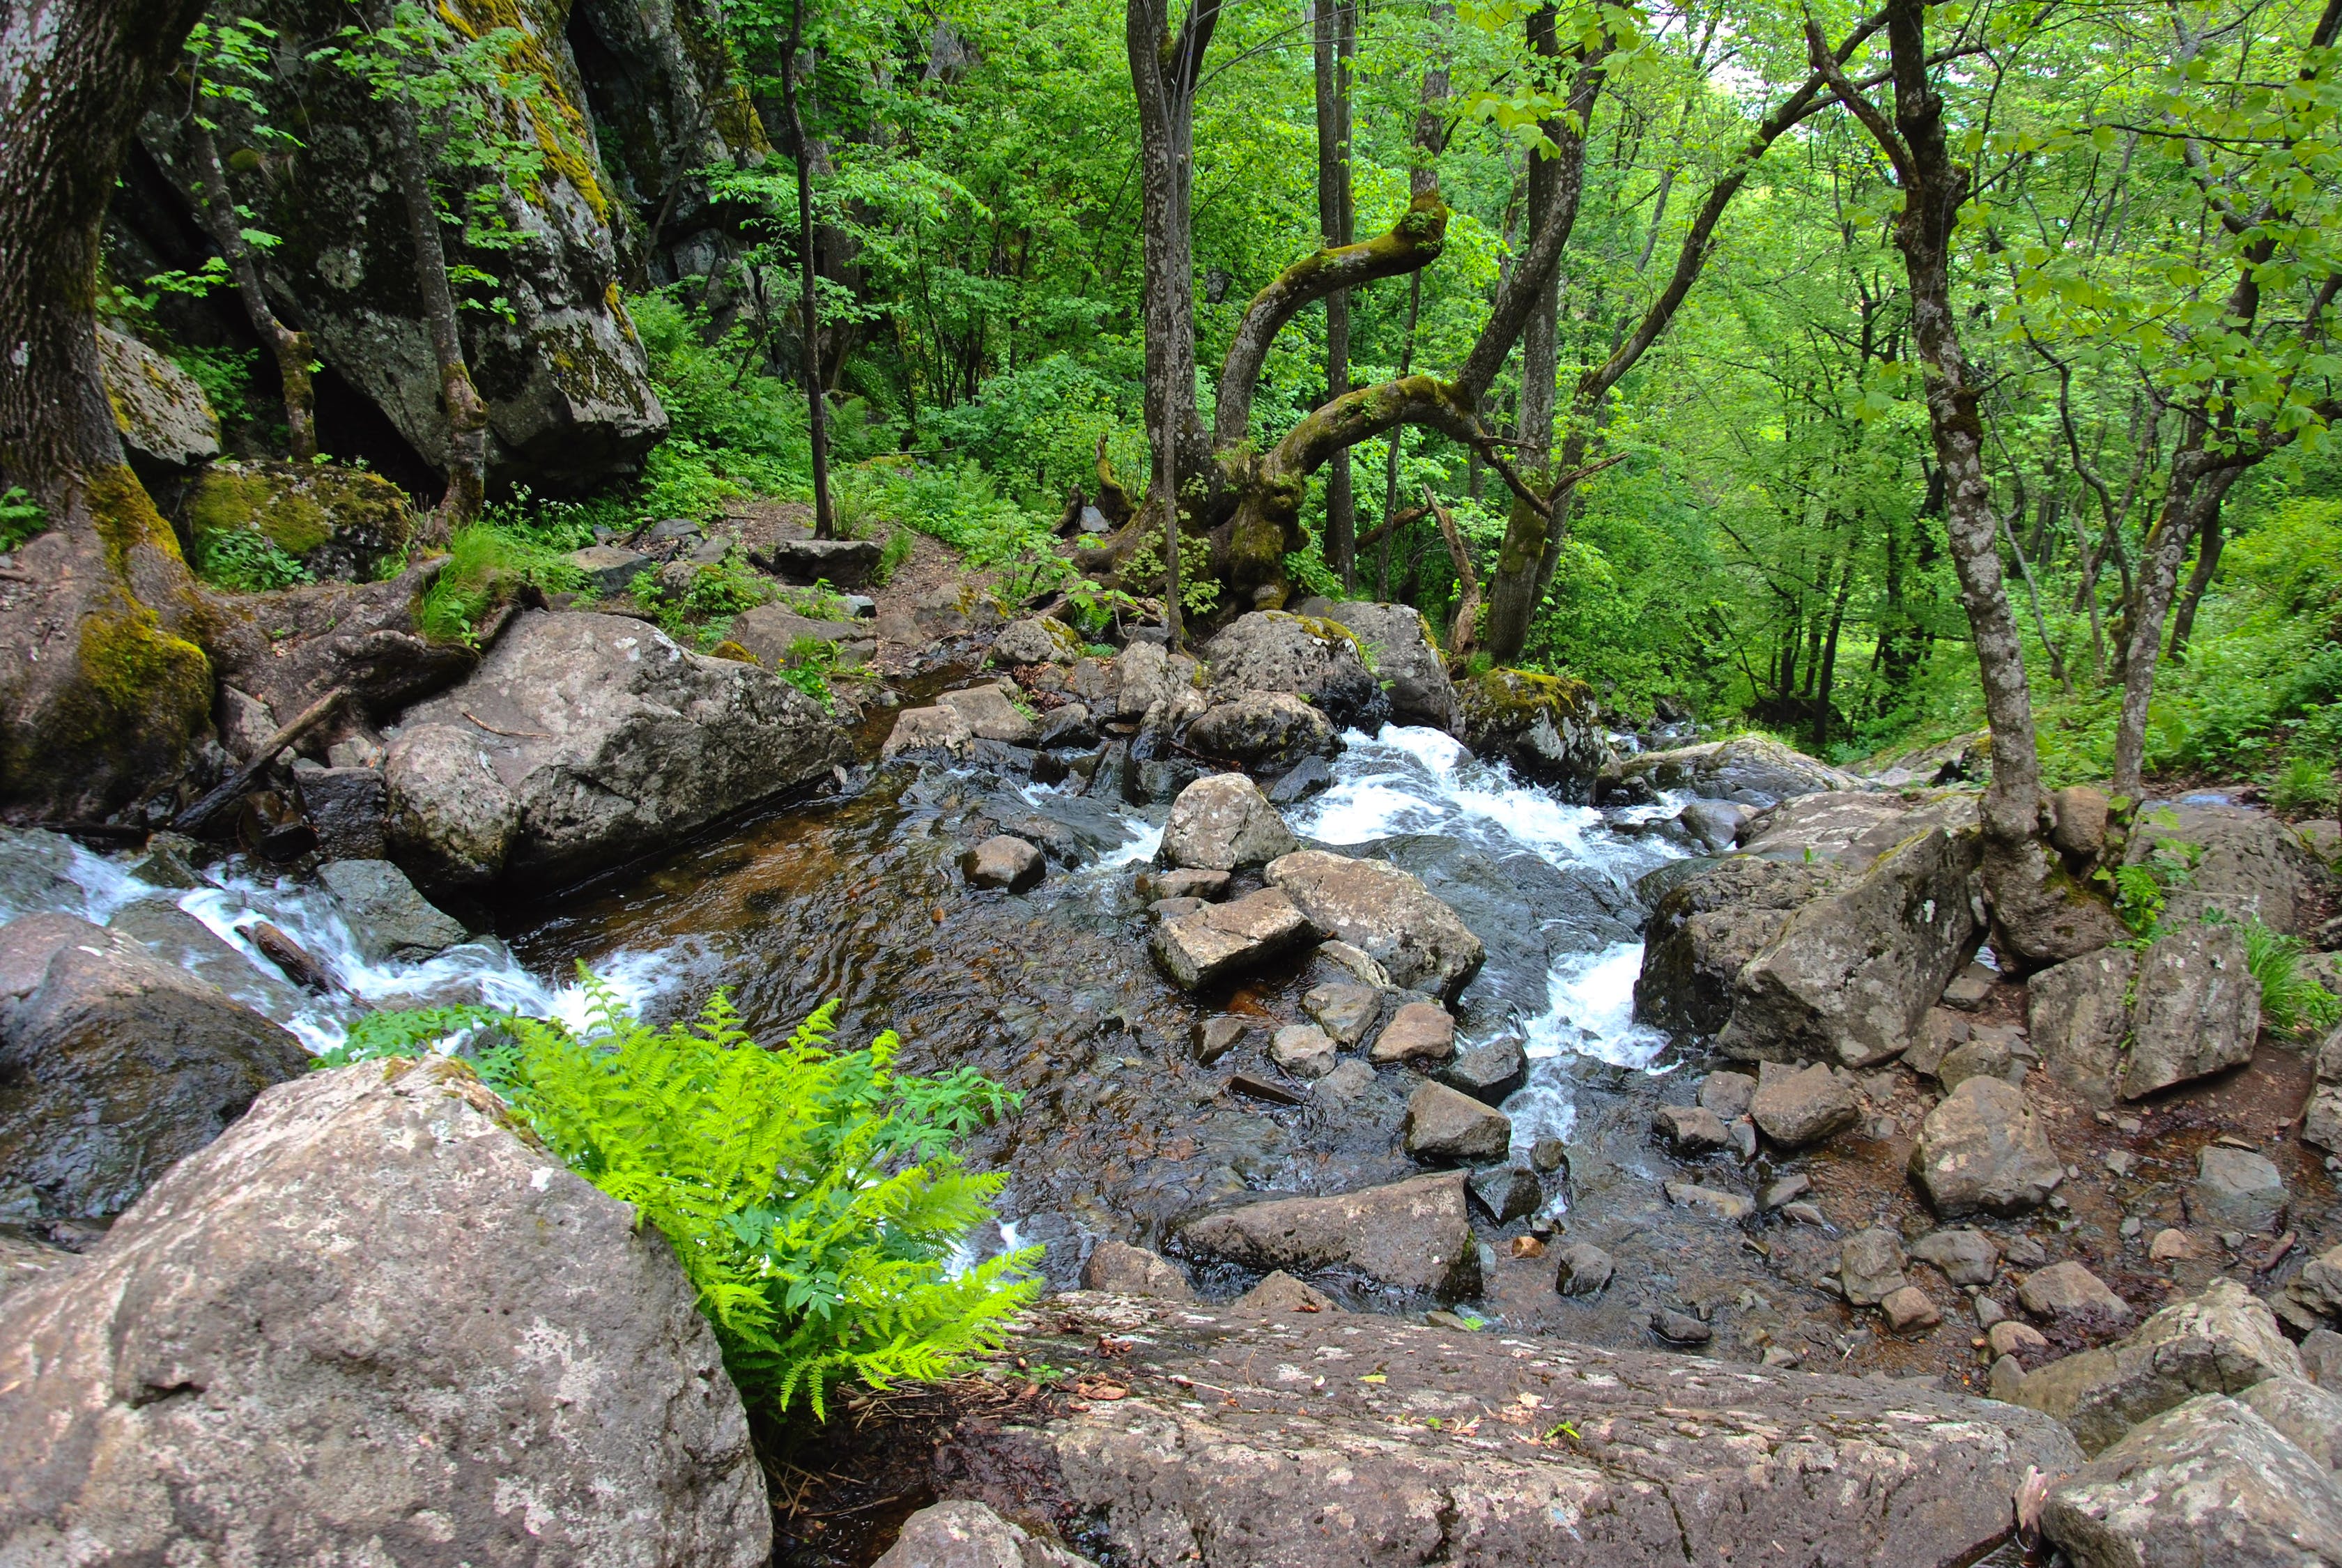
x=515 y=734
x=193 y=819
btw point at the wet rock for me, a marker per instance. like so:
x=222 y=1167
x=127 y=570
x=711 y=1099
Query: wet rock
x=389 y=920
x=1410 y=668
x=1350 y=1080
x=2221 y=1341
x=1691 y=1130
x=1549 y=1155
x=1185 y=882
x=2236 y=1190
x=1156 y=781
x=1546 y=728
x=928 y=729
x=1870 y=1266
x=1781 y=1192
x=965 y=1534
x=1964 y=1257
x=1984 y=1150
x=1705 y=929
x=1709 y=1201
x=1983 y=1057
x=1003 y=861
x=350 y=809
x=1303 y=1050
x=1128 y=1270
x=583 y=739
x=1412 y=1235
x=1269 y=650
x=2252 y=866
x=1796 y=1107
x=1680 y=1328
x=184 y=942
x=841 y=563
x=1507 y=1193
x=992 y=715
x=1071 y=726
x=2064 y=1291
x=1385 y=912
x=1716 y=824
x=2078 y=813
x=275 y=1329
x=1267 y=731
x=2309 y=1416
x=1221 y=939
x=1279 y=1293
x=1420 y=1034
x=1728 y=1094
x=113 y=1064
x=1805 y=1214
x=1491 y=1073
x=1584 y=1269
x=1345 y=1010
x=2198 y=1008
x=1445 y=1128
x=1851 y=975
x=1223 y=823
x=1730 y=769
x=2077 y=1014
x=2208 y=1482
x=1311 y=775
x=170 y=861
x=1910 y=1311
x=1216 y=1037
x=1036 y=639
x=1340 y=960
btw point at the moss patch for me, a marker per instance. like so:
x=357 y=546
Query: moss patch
x=1512 y=699
x=337 y=522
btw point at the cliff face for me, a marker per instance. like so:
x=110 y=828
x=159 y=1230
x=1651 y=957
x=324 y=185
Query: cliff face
x=636 y=98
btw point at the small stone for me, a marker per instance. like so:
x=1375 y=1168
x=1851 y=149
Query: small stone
x=1796 y=1108
x=1489 y=1073
x=1001 y=861
x=2321 y=1357
x=2024 y=1252
x=1870 y=1266
x=1443 y=1127
x=1127 y=1271
x=1787 y=1190
x=1584 y=1269
x=1221 y=939
x=1680 y=1328
x=1778 y=1356
x=1351 y=1079
x=2008 y=1337
x=2008 y=1379
x=1691 y=1130
x=1728 y=1094
x=1964 y=1257
x=1343 y=1010
x=2130 y=1228
x=1216 y=1037
x=2236 y=1190
x=1970 y=989
x=1988 y=1313
x=1419 y=1035
x=1743 y=1133
x=1174 y=909
x=1805 y=1214
x=2068 y=1291
x=1549 y=1154
x=1709 y=1201
x=1978 y=1057
x=1507 y=1192
x=1280 y=1293
x=2120 y=1161
x=923 y=729
x=1526 y=1247
x=1909 y=1309
x=1303 y=1050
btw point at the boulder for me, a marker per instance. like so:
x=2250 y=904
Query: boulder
x=1308 y=776
x=2252 y=866
x=2042 y=912
x=1546 y=728
x=1797 y=1107
x=389 y=921
x=166 y=423
x=1145 y=674
x=2068 y=1291
x=1036 y=639
x=1983 y=1150
x=1490 y=1073
x=1267 y=731
x=1400 y=652
x=935 y=728
x=1691 y=1130
x=1387 y=913
x=1303 y=1050
x=1910 y=1311
x=2077 y=1014
x=1221 y=939
x=778 y=637
x=1269 y=650
x=2077 y=815
x=1964 y=1257
x=1070 y=726
x=184 y=942
x=1003 y=861
x=1209 y=886
x=1216 y=1037
x=840 y=563
x=1420 y=1034
x=1705 y=929
x=1983 y=1056
x=1411 y=1235
x=1348 y=1080
x=112 y=1065
x=1850 y=976
x=1728 y=1094
x=350 y=809
x=287 y=650
x=1870 y=1266
x=1507 y=1193
x=371 y=1324
x=1835 y=826
x=2309 y=1416
x=1125 y=1269
x=36 y=870
x=1715 y=825
x=336 y=522
x=610 y=571
x=2207 y=1484
x=965 y=1534
x=1583 y=1269
x=2236 y=1190
x=585 y=739
x=1345 y=1009
x=1222 y=822
x=1753 y=768
x=2198 y=1008
x=1443 y=1127
x=2221 y=1341
x=992 y=714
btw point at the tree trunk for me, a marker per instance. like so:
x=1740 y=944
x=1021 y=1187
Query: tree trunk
x=2207 y=562
x=467 y=416
x=100 y=693
x=290 y=349
x=824 y=521
x=1460 y=629
x=2198 y=485
x=1337 y=29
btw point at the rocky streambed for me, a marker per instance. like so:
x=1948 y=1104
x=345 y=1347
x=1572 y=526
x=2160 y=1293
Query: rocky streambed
x=1613 y=1098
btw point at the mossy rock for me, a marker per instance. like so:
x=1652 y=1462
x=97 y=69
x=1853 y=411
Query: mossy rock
x=1512 y=699
x=1542 y=725
x=337 y=522
x=732 y=651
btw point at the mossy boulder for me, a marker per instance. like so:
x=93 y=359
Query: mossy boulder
x=337 y=522
x=167 y=422
x=1545 y=726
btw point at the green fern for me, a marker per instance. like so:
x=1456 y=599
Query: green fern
x=810 y=1194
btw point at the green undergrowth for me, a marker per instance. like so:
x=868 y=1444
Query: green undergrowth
x=246 y=560
x=811 y=1194
x=487 y=563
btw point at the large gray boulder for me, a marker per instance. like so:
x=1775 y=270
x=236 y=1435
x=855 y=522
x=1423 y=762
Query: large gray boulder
x=583 y=739
x=112 y=1065
x=1567 y=1456
x=2251 y=866
x=1217 y=941
x=1753 y=768
x=2078 y=1016
x=2221 y=1341
x=1705 y=929
x=2209 y=1484
x=1546 y=727
x=1267 y=731
x=1851 y=975
x=167 y=424
x=371 y=1324
x=1399 y=647
x=1411 y=1235
x=1385 y=912
x=1984 y=1150
x=389 y=920
x=1222 y=822
x=1321 y=660
x=2198 y=1008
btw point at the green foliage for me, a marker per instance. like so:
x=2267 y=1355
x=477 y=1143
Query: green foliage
x=811 y=1194
x=1200 y=592
x=246 y=560
x=808 y=664
x=2142 y=887
x=224 y=374
x=2304 y=782
x=487 y=562
x=20 y=519
x=413 y=1031
x=2292 y=1002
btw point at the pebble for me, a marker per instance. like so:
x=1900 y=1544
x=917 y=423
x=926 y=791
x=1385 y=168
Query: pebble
x=1303 y=1050
x=1779 y=1356
x=1680 y=1328
x=1804 y=1214
x=2008 y=1337
x=1709 y=1201
x=1216 y=1037
x=2171 y=1245
x=1910 y=1309
x=1988 y=1313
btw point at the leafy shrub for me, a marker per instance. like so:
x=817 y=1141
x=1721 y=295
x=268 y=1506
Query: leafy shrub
x=811 y=1194
x=245 y=560
x=808 y=663
x=487 y=562
x=21 y=518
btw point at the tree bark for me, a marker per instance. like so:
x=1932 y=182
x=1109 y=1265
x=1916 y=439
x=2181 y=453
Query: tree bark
x=1337 y=28
x=290 y=349
x=467 y=415
x=2208 y=541
x=1460 y=629
x=824 y=521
